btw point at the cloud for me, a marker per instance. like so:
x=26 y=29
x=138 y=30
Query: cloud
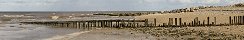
x=91 y=5
x=27 y=2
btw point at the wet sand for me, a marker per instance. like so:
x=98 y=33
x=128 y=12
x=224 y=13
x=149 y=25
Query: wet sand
x=112 y=34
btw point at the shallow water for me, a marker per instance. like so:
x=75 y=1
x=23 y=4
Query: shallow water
x=31 y=32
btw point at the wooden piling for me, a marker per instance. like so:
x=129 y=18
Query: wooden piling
x=199 y=23
x=185 y=24
x=67 y=24
x=212 y=24
x=176 y=22
x=111 y=24
x=146 y=22
x=215 y=22
x=230 y=22
x=155 y=24
x=234 y=20
x=192 y=23
x=208 y=23
x=170 y=23
x=203 y=23
x=137 y=24
x=78 y=24
x=84 y=25
x=180 y=22
x=242 y=20
x=164 y=24
x=237 y=20
x=134 y=23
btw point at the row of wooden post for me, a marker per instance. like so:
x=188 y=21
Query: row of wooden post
x=97 y=23
x=236 y=20
x=173 y=22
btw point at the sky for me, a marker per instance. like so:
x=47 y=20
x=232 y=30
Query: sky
x=107 y=5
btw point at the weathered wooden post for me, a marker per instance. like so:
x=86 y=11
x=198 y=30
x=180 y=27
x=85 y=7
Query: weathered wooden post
x=230 y=22
x=180 y=22
x=62 y=24
x=176 y=22
x=189 y=24
x=134 y=22
x=155 y=24
x=146 y=23
x=164 y=24
x=137 y=24
x=234 y=20
x=196 y=21
x=111 y=23
x=108 y=23
x=95 y=23
x=185 y=24
x=73 y=24
x=78 y=25
x=67 y=24
x=242 y=20
x=192 y=23
x=203 y=23
x=101 y=23
x=118 y=23
x=170 y=22
x=84 y=25
x=214 y=21
x=89 y=24
x=131 y=24
x=208 y=23
x=105 y=23
x=237 y=20
x=199 y=23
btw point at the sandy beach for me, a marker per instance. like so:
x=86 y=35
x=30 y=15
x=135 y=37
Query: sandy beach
x=233 y=32
x=195 y=33
x=126 y=25
x=112 y=34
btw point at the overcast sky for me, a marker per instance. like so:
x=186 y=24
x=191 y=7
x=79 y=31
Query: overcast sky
x=106 y=5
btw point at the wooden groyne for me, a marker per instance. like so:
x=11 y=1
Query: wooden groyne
x=133 y=23
x=177 y=22
x=92 y=23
